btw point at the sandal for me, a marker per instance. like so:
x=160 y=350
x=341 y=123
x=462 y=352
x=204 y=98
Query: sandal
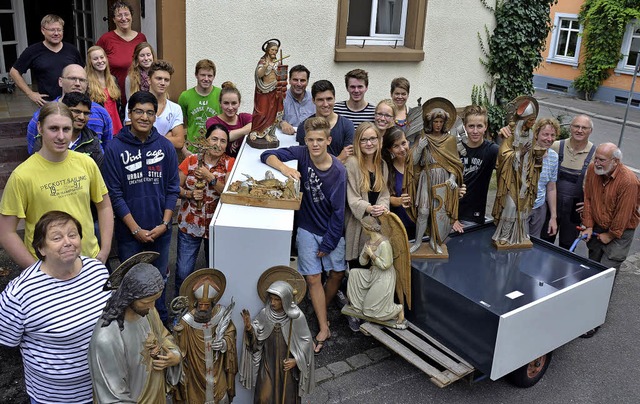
x=319 y=345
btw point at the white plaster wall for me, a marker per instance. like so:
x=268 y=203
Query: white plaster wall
x=231 y=33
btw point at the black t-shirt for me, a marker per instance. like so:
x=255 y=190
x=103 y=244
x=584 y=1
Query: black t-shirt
x=46 y=66
x=479 y=164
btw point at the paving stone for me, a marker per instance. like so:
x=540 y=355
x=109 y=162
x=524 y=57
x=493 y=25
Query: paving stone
x=359 y=361
x=378 y=353
x=338 y=368
x=323 y=374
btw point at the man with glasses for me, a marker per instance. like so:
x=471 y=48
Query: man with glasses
x=46 y=60
x=141 y=172
x=342 y=131
x=74 y=80
x=356 y=109
x=83 y=139
x=574 y=156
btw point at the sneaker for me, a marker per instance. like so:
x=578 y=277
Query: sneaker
x=354 y=323
x=342 y=299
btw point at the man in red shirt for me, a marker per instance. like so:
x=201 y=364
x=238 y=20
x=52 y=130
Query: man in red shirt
x=611 y=193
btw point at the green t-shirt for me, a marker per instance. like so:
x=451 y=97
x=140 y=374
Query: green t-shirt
x=196 y=109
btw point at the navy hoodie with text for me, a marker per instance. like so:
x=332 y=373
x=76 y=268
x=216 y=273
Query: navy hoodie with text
x=142 y=179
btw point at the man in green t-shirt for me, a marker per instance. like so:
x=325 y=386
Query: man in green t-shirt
x=200 y=102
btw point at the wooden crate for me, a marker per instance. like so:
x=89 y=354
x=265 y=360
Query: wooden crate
x=247 y=200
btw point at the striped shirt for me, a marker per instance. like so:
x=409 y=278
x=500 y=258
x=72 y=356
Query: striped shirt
x=549 y=173
x=357 y=117
x=52 y=321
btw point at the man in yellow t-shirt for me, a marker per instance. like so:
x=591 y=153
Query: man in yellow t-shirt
x=55 y=178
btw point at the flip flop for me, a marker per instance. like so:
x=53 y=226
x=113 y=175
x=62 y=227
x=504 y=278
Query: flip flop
x=319 y=345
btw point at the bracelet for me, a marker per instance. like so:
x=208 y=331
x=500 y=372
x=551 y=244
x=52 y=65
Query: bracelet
x=136 y=231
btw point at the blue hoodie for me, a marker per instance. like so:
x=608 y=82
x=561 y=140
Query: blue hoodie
x=142 y=179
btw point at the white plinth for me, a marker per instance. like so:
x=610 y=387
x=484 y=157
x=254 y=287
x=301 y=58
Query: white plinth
x=248 y=240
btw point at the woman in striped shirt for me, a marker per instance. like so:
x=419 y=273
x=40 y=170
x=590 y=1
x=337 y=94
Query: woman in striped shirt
x=50 y=310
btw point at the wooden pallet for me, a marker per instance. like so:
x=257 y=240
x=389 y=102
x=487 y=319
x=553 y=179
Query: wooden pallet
x=401 y=342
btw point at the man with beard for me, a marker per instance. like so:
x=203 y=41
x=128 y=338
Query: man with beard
x=207 y=337
x=132 y=356
x=610 y=206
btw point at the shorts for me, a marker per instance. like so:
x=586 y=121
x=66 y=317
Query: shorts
x=308 y=262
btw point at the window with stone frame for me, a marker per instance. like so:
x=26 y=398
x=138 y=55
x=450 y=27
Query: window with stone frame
x=630 y=48
x=565 y=39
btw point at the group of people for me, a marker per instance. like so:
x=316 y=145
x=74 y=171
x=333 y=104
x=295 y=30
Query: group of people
x=106 y=147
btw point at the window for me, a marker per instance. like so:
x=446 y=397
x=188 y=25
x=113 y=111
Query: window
x=630 y=48
x=385 y=25
x=380 y=30
x=565 y=39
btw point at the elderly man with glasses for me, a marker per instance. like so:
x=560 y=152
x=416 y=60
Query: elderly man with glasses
x=574 y=156
x=74 y=80
x=46 y=60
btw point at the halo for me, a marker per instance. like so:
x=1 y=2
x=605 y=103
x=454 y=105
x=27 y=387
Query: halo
x=115 y=279
x=282 y=273
x=446 y=105
x=186 y=289
x=266 y=43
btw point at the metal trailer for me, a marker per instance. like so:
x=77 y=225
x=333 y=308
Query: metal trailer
x=488 y=313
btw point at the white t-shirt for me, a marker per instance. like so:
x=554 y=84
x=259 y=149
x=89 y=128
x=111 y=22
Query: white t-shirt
x=170 y=118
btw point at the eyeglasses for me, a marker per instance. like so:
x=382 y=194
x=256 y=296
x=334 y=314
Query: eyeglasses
x=54 y=30
x=372 y=140
x=74 y=79
x=578 y=127
x=80 y=112
x=385 y=116
x=123 y=15
x=139 y=112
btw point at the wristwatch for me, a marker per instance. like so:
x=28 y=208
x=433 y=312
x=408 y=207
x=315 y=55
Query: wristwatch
x=168 y=224
x=214 y=181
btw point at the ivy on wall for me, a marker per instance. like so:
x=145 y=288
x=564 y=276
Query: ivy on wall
x=514 y=50
x=604 y=23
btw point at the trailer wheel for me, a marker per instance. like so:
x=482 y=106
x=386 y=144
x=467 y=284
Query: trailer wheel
x=531 y=373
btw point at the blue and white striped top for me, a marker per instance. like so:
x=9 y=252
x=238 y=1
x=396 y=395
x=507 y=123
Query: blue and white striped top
x=52 y=320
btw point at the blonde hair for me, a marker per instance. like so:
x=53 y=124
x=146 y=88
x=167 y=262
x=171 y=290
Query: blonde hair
x=365 y=185
x=95 y=90
x=389 y=104
x=134 y=69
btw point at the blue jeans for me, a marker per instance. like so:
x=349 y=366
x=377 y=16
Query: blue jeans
x=188 y=249
x=130 y=247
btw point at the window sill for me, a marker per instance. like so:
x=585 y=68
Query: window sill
x=623 y=71
x=372 y=53
x=573 y=63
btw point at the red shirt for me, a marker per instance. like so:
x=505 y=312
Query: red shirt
x=120 y=55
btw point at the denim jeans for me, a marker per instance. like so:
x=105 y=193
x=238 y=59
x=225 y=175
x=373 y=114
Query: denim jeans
x=130 y=247
x=188 y=249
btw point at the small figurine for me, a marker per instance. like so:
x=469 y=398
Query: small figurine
x=278 y=356
x=371 y=291
x=517 y=174
x=207 y=338
x=132 y=356
x=438 y=170
x=268 y=100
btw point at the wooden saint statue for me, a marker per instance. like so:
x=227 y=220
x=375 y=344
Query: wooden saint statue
x=517 y=173
x=437 y=178
x=268 y=99
x=207 y=338
x=278 y=352
x=371 y=291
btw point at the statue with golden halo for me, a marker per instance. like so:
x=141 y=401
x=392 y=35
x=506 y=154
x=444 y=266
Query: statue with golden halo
x=371 y=291
x=207 y=338
x=268 y=99
x=278 y=357
x=437 y=176
x=517 y=173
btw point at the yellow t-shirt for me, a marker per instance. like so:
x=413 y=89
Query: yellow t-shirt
x=38 y=186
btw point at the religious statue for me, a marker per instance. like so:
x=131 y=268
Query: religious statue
x=438 y=170
x=371 y=291
x=268 y=99
x=207 y=338
x=132 y=356
x=278 y=357
x=517 y=173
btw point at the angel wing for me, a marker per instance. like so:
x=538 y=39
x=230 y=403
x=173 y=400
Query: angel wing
x=414 y=124
x=394 y=230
